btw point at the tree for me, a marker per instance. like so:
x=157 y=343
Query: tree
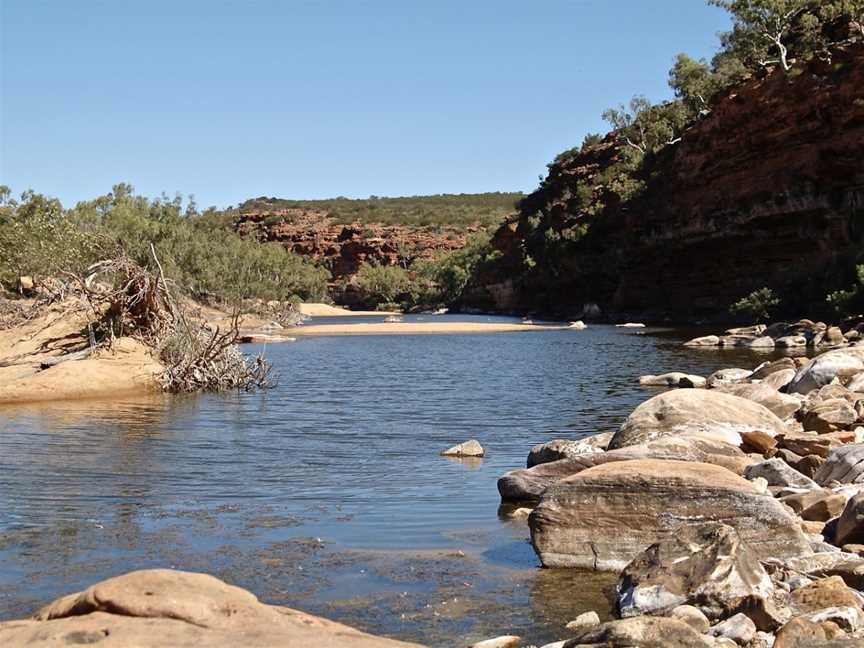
x=853 y=10
x=647 y=127
x=762 y=27
x=758 y=304
x=693 y=82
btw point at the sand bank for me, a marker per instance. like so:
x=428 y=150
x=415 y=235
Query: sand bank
x=326 y=310
x=128 y=368
x=413 y=328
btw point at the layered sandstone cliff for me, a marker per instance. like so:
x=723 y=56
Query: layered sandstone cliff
x=766 y=190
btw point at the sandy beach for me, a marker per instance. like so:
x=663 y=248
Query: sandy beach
x=326 y=310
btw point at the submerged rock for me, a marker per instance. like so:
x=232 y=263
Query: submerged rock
x=161 y=607
x=705 y=341
x=707 y=413
x=603 y=517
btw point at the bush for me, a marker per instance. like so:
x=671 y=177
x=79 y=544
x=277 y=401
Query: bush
x=380 y=284
x=758 y=304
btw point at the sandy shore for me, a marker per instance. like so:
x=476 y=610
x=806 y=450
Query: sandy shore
x=413 y=328
x=326 y=310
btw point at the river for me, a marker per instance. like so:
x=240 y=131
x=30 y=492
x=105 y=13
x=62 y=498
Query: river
x=327 y=492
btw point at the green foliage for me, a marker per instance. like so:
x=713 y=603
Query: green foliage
x=758 y=304
x=38 y=239
x=442 y=280
x=647 y=127
x=37 y=236
x=380 y=284
x=460 y=210
x=846 y=301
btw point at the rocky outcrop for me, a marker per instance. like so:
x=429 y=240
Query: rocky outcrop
x=603 y=517
x=160 y=607
x=767 y=190
x=343 y=248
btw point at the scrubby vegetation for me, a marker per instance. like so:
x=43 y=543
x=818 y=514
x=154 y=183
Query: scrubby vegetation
x=42 y=240
x=461 y=210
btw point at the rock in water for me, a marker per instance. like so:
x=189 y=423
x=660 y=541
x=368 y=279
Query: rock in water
x=566 y=449
x=705 y=340
x=603 y=517
x=696 y=411
x=470 y=448
x=705 y=565
x=160 y=607
x=673 y=379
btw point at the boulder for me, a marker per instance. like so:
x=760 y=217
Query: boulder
x=801 y=633
x=821 y=370
x=584 y=621
x=161 y=607
x=767 y=368
x=641 y=632
x=833 y=337
x=779 y=379
x=504 y=641
x=603 y=517
x=527 y=485
x=673 y=379
x=791 y=342
x=829 y=415
x=850 y=526
x=844 y=465
x=816 y=505
x=707 y=413
x=824 y=593
x=778 y=473
x=781 y=405
x=856 y=383
x=565 y=449
x=849 y=567
x=804 y=444
x=726 y=376
x=763 y=342
x=738 y=628
x=705 y=340
x=757 y=441
x=470 y=448
x=692 y=616
x=704 y=565
x=755 y=330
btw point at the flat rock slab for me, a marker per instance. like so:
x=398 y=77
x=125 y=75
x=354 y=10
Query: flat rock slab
x=161 y=607
x=603 y=517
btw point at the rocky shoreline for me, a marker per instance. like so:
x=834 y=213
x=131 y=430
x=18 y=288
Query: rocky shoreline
x=733 y=514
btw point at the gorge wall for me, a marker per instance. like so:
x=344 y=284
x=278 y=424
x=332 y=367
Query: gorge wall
x=766 y=190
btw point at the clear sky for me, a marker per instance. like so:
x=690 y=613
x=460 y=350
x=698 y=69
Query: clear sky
x=311 y=99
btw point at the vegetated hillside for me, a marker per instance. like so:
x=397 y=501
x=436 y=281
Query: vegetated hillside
x=457 y=210
x=347 y=235
x=765 y=190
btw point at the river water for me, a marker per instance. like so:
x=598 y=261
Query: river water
x=327 y=493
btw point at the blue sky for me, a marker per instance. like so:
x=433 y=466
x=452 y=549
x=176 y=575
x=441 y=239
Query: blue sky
x=310 y=99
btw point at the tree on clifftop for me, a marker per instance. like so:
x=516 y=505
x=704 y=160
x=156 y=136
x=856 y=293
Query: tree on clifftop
x=762 y=27
x=647 y=127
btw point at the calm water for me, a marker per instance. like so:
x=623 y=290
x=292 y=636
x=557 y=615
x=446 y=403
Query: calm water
x=327 y=492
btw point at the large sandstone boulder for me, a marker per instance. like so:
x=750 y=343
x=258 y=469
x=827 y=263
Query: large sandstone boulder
x=528 y=485
x=160 y=607
x=707 y=413
x=706 y=566
x=603 y=517
x=821 y=370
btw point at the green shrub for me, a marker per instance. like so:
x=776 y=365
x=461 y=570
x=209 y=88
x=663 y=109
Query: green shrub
x=380 y=284
x=758 y=304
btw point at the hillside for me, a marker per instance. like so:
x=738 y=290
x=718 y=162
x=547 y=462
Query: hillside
x=766 y=190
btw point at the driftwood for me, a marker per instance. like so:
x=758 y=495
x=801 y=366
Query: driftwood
x=78 y=355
